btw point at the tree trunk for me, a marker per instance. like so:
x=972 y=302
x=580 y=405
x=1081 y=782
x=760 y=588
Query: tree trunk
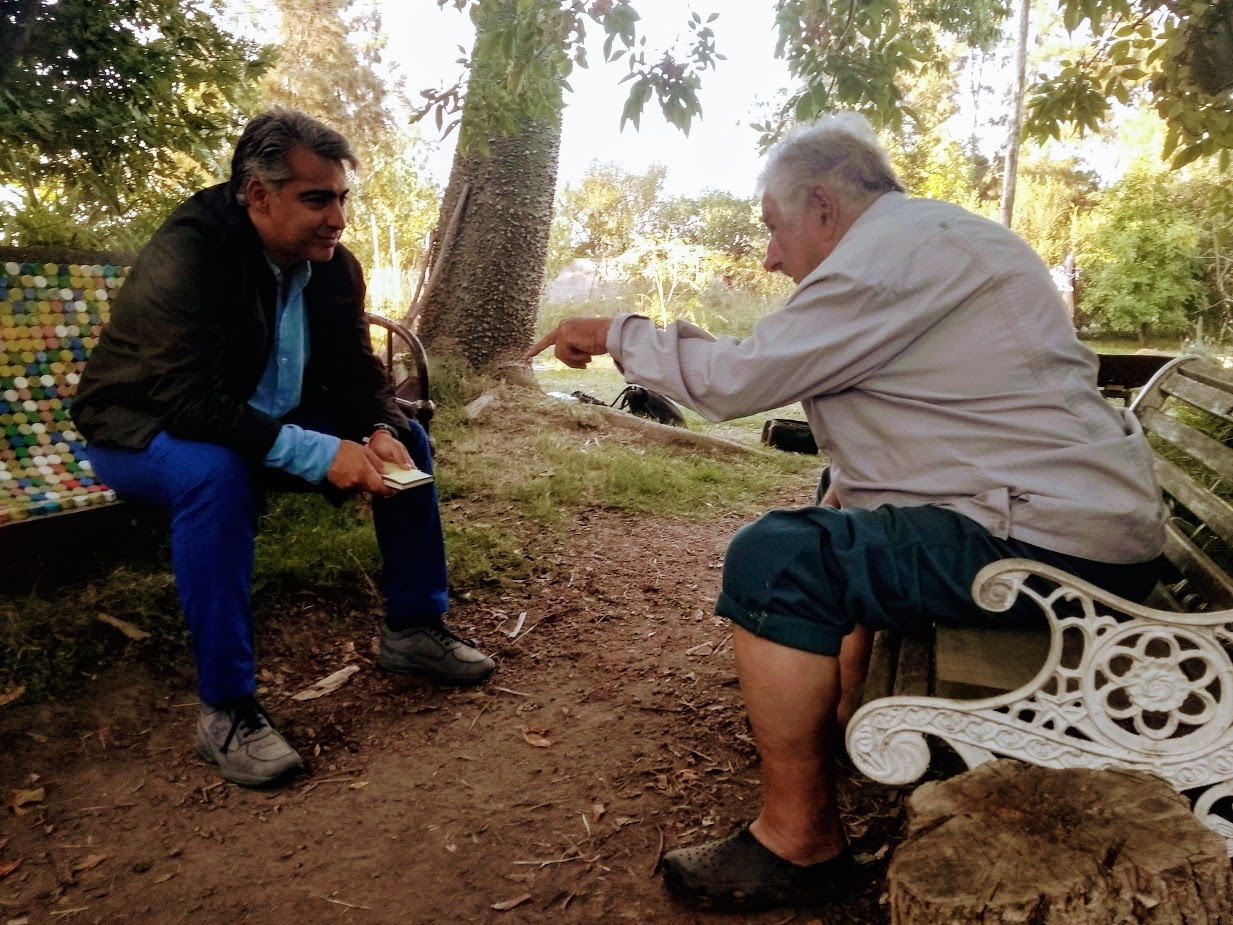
x=1011 y=177
x=483 y=307
x=1010 y=842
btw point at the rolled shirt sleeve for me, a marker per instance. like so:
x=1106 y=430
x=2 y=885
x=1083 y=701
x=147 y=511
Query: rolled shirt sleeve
x=305 y=453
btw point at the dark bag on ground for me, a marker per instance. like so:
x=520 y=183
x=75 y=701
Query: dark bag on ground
x=790 y=436
x=645 y=403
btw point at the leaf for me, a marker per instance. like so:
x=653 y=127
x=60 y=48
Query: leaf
x=511 y=903
x=7 y=867
x=23 y=798
x=89 y=862
x=1187 y=155
x=328 y=684
x=535 y=735
x=12 y=694
x=132 y=632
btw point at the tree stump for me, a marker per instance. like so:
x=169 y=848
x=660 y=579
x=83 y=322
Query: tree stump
x=1012 y=843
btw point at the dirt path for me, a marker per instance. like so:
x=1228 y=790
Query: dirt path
x=611 y=732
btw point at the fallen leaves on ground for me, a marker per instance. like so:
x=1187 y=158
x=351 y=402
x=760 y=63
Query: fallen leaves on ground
x=89 y=862
x=327 y=685
x=511 y=903
x=23 y=798
x=132 y=632
x=537 y=736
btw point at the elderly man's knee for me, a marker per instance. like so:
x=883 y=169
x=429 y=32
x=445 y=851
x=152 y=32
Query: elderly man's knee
x=759 y=549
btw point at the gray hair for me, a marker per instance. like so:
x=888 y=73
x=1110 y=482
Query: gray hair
x=840 y=150
x=268 y=139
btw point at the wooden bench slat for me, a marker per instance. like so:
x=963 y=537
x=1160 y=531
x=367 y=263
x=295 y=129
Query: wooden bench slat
x=1205 y=371
x=1213 y=454
x=1208 y=579
x=999 y=659
x=913 y=668
x=1203 y=503
x=1201 y=395
x=880 y=678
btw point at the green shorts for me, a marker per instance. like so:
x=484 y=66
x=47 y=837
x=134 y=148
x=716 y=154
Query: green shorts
x=805 y=578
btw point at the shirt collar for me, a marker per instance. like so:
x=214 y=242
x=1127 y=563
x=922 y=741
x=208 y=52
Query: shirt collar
x=297 y=275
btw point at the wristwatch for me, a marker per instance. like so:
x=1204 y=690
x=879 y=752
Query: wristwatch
x=388 y=428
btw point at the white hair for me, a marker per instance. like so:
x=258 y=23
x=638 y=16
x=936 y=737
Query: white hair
x=840 y=150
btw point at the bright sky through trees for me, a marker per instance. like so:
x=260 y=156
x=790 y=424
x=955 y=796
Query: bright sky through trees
x=720 y=151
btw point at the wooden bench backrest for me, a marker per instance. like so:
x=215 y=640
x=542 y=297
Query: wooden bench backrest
x=1187 y=412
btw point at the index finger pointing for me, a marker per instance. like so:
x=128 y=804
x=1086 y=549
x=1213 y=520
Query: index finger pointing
x=543 y=343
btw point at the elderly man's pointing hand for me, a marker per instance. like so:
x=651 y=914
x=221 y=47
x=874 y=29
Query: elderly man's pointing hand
x=576 y=340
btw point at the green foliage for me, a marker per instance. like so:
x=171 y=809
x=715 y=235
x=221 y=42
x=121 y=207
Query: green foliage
x=525 y=51
x=1139 y=259
x=717 y=221
x=561 y=247
x=1206 y=193
x=1179 y=56
x=112 y=112
x=855 y=56
x=1048 y=199
x=924 y=152
x=673 y=275
x=609 y=208
x=327 y=66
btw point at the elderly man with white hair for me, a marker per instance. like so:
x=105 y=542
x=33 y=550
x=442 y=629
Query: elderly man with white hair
x=941 y=376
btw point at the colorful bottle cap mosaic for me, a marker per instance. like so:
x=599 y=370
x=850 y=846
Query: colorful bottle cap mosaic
x=50 y=318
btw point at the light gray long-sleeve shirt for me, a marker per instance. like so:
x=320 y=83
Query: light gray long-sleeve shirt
x=937 y=365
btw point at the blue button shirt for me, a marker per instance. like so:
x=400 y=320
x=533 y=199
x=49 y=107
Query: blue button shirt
x=301 y=452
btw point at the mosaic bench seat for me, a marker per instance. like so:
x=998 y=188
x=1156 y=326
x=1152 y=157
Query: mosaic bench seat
x=51 y=313
x=53 y=305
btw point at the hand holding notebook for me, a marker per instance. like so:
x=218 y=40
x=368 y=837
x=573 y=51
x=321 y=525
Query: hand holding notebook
x=398 y=478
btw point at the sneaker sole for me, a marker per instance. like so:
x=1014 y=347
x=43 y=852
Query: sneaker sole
x=245 y=780
x=440 y=677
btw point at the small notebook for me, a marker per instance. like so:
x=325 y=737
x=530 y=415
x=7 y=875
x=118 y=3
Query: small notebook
x=395 y=476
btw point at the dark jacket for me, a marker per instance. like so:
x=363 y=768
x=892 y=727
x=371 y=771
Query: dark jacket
x=192 y=329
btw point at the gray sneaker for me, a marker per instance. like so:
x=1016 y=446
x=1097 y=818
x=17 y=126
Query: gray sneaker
x=240 y=738
x=434 y=652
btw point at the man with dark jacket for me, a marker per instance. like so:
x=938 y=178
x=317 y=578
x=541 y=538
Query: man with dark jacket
x=237 y=359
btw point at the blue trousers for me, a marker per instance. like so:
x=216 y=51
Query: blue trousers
x=214 y=498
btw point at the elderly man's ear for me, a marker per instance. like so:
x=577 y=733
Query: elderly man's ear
x=824 y=204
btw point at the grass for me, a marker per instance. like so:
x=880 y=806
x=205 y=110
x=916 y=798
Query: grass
x=510 y=483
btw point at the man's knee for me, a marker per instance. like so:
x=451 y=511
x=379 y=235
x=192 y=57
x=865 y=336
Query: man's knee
x=415 y=438
x=760 y=549
x=213 y=474
x=745 y=558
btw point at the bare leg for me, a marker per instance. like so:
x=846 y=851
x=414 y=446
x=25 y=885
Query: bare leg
x=853 y=667
x=791 y=697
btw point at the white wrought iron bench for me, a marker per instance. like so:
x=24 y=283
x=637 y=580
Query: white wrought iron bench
x=1111 y=684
